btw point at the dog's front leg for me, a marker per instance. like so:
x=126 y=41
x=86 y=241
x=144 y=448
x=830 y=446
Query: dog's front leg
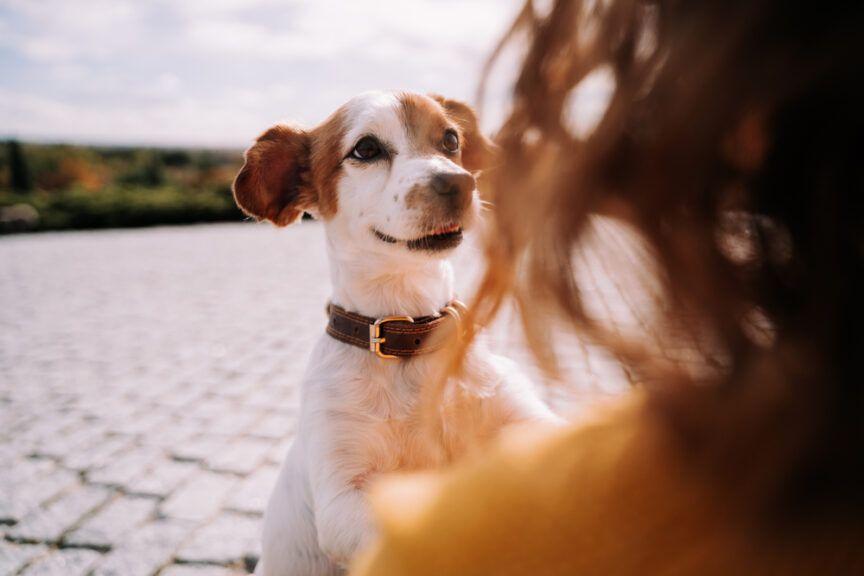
x=343 y=522
x=342 y=514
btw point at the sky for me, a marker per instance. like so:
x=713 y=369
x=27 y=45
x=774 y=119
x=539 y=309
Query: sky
x=216 y=73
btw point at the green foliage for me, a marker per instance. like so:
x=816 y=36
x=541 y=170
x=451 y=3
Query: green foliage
x=94 y=187
x=176 y=158
x=124 y=207
x=147 y=169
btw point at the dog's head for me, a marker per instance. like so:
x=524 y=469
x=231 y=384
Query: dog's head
x=388 y=173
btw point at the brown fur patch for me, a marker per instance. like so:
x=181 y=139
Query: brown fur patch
x=416 y=197
x=425 y=121
x=358 y=481
x=270 y=185
x=289 y=170
x=326 y=161
x=477 y=150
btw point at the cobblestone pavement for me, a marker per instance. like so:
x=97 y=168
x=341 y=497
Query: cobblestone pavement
x=147 y=388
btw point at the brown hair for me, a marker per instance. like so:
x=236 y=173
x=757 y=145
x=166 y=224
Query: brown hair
x=730 y=121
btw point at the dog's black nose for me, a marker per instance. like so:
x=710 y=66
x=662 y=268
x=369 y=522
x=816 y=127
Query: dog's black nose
x=453 y=184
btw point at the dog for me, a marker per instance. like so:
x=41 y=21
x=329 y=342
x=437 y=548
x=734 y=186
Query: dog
x=392 y=177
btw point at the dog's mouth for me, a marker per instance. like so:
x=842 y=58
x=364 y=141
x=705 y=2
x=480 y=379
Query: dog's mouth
x=441 y=238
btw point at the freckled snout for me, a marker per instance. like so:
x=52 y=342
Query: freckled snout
x=457 y=188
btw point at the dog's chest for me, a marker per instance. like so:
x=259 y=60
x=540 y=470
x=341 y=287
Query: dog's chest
x=374 y=411
x=384 y=406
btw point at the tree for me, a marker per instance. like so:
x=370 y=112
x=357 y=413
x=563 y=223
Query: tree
x=19 y=174
x=146 y=170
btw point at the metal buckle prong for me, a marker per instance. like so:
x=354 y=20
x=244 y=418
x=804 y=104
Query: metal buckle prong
x=456 y=309
x=375 y=338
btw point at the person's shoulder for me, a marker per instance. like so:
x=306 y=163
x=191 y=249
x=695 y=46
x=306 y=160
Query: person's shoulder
x=525 y=499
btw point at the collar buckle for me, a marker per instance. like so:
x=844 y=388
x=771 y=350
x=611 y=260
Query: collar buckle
x=375 y=338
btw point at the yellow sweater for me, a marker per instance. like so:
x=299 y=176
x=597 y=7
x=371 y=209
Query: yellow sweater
x=607 y=498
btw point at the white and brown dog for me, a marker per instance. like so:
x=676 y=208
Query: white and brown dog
x=391 y=175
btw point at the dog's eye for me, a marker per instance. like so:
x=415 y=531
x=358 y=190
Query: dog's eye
x=368 y=148
x=451 y=141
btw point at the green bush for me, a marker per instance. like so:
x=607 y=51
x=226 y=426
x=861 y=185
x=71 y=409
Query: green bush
x=147 y=169
x=120 y=206
x=70 y=186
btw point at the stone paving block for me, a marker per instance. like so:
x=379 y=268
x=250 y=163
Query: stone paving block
x=162 y=478
x=239 y=389
x=13 y=557
x=141 y=423
x=178 y=432
x=240 y=456
x=114 y=409
x=199 y=498
x=273 y=426
x=12 y=422
x=288 y=402
x=146 y=550
x=9 y=452
x=279 y=451
x=252 y=493
x=229 y=539
x=110 y=526
x=43 y=430
x=198 y=449
x=212 y=408
x=125 y=468
x=272 y=396
x=31 y=490
x=20 y=497
x=179 y=397
x=49 y=523
x=237 y=423
x=100 y=455
x=76 y=440
x=63 y=563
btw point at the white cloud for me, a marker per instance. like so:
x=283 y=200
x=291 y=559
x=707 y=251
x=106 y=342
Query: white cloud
x=57 y=30
x=219 y=71
x=183 y=121
x=242 y=39
x=207 y=8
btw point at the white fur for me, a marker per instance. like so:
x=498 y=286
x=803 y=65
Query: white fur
x=358 y=412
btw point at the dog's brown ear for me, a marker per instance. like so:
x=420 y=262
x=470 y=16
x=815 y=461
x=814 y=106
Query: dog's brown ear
x=272 y=185
x=478 y=151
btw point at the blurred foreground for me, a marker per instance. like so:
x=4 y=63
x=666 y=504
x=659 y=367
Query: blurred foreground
x=149 y=381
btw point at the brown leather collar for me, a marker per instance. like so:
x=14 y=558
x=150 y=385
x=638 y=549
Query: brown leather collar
x=396 y=336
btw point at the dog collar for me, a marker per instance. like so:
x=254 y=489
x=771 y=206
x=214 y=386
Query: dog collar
x=396 y=336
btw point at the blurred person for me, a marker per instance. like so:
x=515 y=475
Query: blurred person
x=730 y=142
